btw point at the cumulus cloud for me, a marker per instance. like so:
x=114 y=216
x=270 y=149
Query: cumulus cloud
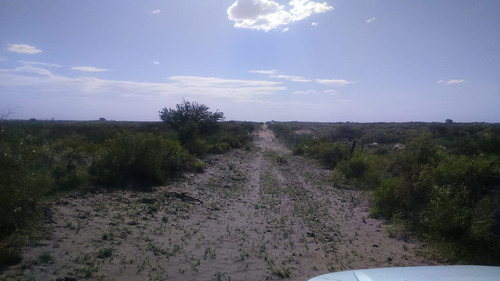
x=450 y=82
x=23 y=49
x=370 y=20
x=156 y=12
x=314 y=24
x=337 y=82
x=156 y=62
x=88 y=69
x=267 y=15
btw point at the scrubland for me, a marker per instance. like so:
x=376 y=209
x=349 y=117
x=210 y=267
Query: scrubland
x=141 y=201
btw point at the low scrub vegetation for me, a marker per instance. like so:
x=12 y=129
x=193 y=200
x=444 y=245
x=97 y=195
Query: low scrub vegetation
x=441 y=180
x=41 y=159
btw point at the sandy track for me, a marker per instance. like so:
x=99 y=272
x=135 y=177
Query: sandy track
x=261 y=215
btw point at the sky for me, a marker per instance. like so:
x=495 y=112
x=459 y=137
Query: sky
x=253 y=60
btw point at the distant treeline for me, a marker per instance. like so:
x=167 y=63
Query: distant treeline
x=441 y=180
x=40 y=159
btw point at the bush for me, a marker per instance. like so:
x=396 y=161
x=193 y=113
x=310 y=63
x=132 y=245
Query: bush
x=140 y=159
x=192 y=113
x=353 y=168
x=387 y=197
x=198 y=146
x=220 y=147
x=329 y=154
x=24 y=181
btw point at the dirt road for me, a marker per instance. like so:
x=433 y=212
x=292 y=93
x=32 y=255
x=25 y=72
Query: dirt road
x=252 y=215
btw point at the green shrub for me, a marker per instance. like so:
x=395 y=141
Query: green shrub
x=198 y=146
x=353 y=168
x=140 y=159
x=220 y=147
x=387 y=197
x=328 y=153
x=24 y=181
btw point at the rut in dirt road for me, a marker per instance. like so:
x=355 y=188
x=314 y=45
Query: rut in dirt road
x=264 y=214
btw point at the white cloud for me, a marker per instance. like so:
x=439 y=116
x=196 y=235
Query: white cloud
x=38 y=63
x=274 y=74
x=454 y=82
x=314 y=24
x=156 y=12
x=41 y=80
x=339 y=82
x=36 y=71
x=291 y=78
x=269 y=72
x=88 y=69
x=268 y=15
x=308 y=92
x=370 y=20
x=450 y=82
x=156 y=62
x=305 y=8
x=226 y=87
x=330 y=92
x=285 y=29
x=23 y=49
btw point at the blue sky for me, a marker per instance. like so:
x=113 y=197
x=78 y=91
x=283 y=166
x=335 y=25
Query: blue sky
x=256 y=60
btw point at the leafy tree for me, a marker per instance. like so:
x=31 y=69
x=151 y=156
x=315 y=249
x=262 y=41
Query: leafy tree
x=191 y=114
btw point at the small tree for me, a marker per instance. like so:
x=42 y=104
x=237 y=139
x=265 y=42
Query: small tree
x=192 y=115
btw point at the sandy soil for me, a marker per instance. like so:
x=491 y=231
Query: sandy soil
x=252 y=215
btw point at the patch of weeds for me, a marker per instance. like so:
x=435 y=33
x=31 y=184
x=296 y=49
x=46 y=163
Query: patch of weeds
x=142 y=266
x=45 y=258
x=209 y=252
x=88 y=270
x=101 y=208
x=195 y=266
x=283 y=272
x=108 y=236
x=175 y=250
x=83 y=258
x=281 y=160
x=220 y=276
x=69 y=225
x=215 y=206
x=330 y=248
x=90 y=267
x=105 y=253
x=244 y=255
x=125 y=261
x=330 y=266
x=157 y=250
